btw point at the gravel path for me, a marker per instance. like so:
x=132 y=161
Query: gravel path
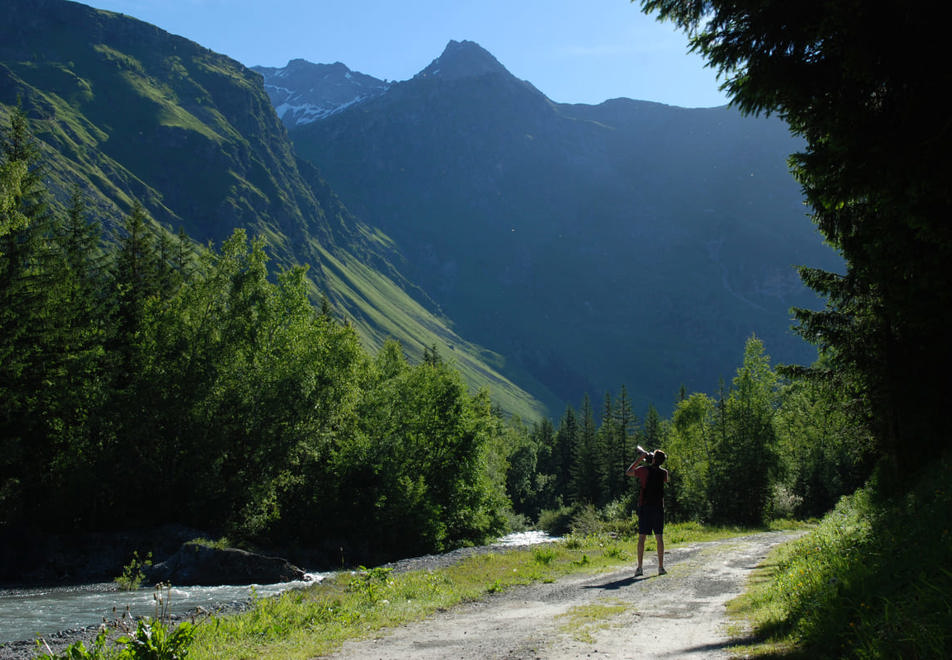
x=678 y=615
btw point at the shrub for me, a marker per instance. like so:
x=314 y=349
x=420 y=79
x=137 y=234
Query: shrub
x=586 y=521
x=133 y=573
x=515 y=522
x=620 y=509
x=556 y=522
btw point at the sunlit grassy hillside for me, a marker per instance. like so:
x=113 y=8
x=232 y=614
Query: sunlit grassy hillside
x=129 y=112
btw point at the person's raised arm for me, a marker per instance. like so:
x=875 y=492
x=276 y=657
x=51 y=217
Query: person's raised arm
x=631 y=468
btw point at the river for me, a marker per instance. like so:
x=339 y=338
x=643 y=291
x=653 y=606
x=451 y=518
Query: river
x=28 y=613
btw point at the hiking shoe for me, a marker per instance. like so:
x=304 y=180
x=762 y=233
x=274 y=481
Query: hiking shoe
x=661 y=571
x=639 y=572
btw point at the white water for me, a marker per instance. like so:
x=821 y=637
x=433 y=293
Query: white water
x=26 y=613
x=524 y=538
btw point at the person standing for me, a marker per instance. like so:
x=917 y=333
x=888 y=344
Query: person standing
x=652 y=478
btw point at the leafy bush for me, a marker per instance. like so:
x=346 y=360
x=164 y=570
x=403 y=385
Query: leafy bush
x=619 y=509
x=544 y=555
x=370 y=583
x=153 y=640
x=133 y=573
x=556 y=522
x=783 y=503
x=515 y=522
x=586 y=521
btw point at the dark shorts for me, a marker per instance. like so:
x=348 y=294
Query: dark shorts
x=650 y=519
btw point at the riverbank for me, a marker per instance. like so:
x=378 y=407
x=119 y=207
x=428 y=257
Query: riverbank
x=188 y=601
x=37 y=560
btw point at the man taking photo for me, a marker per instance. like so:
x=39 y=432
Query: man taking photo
x=652 y=478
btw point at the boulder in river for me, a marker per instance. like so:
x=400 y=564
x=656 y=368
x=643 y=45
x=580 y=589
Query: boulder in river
x=200 y=564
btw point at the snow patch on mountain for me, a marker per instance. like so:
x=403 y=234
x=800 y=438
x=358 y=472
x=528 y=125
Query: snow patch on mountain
x=303 y=92
x=306 y=113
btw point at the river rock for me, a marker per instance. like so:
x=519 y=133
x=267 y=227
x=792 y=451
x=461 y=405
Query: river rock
x=199 y=564
x=42 y=559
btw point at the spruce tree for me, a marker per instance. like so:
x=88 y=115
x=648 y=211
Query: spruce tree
x=27 y=325
x=543 y=437
x=650 y=436
x=626 y=425
x=565 y=440
x=605 y=450
x=586 y=483
x=857 y=81
x=135 y=278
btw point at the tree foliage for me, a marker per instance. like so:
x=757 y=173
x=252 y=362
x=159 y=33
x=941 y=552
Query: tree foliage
x=690 y=446
x=857 y=81
x=148 y=381
x=764 y=447
x=743 y=462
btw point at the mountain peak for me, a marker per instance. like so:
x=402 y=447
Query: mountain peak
x=303 y=92
x=463 y=59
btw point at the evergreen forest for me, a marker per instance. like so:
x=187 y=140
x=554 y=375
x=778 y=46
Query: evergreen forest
x=148 y=380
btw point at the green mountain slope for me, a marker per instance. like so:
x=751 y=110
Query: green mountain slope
x=130 y=112
x=625 y=243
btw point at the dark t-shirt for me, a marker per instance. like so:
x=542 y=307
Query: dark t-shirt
x=652 y=485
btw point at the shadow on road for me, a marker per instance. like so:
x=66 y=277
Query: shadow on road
x=705 y=649
x=617 y=584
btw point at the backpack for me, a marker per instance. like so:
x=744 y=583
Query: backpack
x=654 y=487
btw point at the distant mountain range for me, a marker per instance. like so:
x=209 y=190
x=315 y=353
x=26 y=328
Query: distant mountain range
x=303 y=92
x=625 y=243
x=130 y=112
x=547 y=249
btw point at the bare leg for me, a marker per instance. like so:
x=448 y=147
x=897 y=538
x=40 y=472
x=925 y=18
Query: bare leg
x=641 y=551
x=660 y=539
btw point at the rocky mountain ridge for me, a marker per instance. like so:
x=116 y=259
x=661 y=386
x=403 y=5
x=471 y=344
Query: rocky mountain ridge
x=628 y=242
x=131 y=113
x=302 y=92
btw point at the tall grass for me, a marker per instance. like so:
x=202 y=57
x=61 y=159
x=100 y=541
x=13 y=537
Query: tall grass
x=873 y=580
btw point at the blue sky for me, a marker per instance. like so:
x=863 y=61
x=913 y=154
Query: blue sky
x=574 y=51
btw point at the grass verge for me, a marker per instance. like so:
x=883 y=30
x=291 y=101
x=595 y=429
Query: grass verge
x=582 y=621
x=314 y=621
x=873 y=580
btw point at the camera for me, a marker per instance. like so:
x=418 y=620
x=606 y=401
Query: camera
x=649 y=455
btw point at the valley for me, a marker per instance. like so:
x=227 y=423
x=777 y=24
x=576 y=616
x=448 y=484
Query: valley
x=628 y=243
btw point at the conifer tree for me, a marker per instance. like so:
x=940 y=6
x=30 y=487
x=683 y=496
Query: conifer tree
x=651 y=433
x=857 y=82
x=543 y=436
x=606 y=450
x=134 y=280
x=625 y=428
x=586 y=483
x=565 y=440
x=77 y=318
x=12 y=174
x=27 y=326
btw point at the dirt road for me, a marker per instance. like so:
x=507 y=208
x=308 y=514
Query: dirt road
x=610 y=615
